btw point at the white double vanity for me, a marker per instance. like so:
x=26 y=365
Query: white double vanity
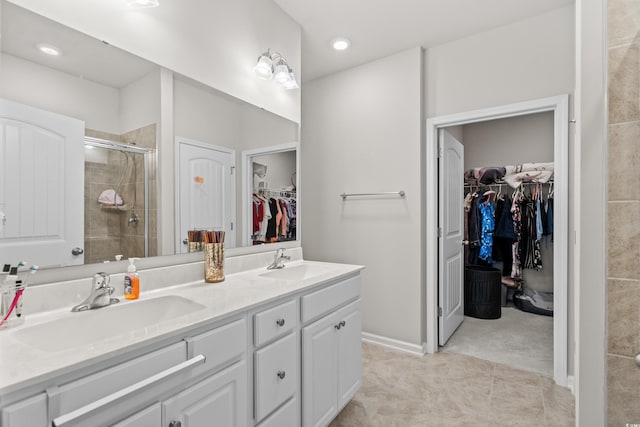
x=264 y=347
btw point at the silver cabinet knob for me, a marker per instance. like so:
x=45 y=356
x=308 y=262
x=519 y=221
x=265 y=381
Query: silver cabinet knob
x=638 y=360
x=77 y=251
x=280 y=322
x=281 y=374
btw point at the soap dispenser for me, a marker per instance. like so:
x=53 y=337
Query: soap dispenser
x=131 y=281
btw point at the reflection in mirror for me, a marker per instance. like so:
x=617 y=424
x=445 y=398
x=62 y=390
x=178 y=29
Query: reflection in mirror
x=270 y=194
x=115 y=97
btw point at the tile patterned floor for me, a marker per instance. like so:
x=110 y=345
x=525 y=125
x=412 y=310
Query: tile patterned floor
x=448 y=389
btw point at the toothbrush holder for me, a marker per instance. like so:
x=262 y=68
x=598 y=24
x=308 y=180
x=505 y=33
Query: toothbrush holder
x=213 y=262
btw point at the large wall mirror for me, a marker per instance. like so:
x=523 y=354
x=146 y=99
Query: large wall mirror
x=119 y=101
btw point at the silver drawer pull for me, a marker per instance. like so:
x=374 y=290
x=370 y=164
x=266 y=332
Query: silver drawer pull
x=73 y=417
x=281 y=374
x=280 y=322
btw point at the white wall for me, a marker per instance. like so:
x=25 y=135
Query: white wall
x=591 y=223
x=525 y=60
x=140 y=102
x=216 y=42
x=362 y=133
x=529 y=59
x=522 y=139
x=205 y=115
x=42 y=87
x=280 y=166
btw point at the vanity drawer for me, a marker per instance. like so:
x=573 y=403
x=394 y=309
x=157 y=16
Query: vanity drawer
x=220 y=345
x=275 y=322
x=317 y=303
x=288 y=415
x=276 y=374
x=78 y=393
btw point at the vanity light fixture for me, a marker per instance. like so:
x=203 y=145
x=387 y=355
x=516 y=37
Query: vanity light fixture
x=341 y=43
x=272 y=65
x=142 y=4
x=48 y=49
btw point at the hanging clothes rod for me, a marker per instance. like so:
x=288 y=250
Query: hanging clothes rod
x=388 y=193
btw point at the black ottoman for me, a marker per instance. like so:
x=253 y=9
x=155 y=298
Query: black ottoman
x=482 y=292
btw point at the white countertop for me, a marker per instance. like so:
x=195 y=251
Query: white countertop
x=22 y=365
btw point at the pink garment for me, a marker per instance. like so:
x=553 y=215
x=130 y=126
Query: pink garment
x=110 y=197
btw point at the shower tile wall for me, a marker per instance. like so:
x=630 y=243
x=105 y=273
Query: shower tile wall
x=623 y=293
x=107 y=231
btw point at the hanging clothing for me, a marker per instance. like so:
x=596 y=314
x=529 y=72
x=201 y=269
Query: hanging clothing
x=487 y=212
x=474 y=230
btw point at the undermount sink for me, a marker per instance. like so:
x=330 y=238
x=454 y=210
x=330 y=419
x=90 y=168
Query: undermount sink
x=298 y=272
x=87 y=327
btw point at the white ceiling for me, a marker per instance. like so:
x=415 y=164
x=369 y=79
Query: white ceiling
x=378 y=28
x=81 y=56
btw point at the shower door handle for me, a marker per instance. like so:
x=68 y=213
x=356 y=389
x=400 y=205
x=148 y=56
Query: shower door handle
x=77 y=251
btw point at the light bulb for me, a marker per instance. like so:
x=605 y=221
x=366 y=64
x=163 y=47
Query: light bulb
x=341 y=43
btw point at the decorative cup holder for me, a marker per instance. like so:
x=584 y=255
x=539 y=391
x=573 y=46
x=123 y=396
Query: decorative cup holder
x=213 y=262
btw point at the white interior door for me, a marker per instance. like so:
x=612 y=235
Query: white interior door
x=450 y=221
x=41 y=186
x=206 y=191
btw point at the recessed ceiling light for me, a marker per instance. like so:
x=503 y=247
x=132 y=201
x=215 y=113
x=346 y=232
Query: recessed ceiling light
x=142 y=4
x=341 y=43
x=48 y=49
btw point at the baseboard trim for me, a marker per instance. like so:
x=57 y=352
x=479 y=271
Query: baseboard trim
x=571 y=382
x=403 y=346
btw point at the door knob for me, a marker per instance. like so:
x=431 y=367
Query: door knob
x=281 y=374
x=185 y=241
x=638 y=360
x=77 y=251
x=175 y=423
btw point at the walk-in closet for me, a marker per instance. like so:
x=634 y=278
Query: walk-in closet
x=508 y=241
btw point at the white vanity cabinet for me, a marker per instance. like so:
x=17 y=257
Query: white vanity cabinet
x=276 y=363
x=291 y=359
x=331 y=351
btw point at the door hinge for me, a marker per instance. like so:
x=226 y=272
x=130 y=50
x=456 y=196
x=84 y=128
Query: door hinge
x=440 y=152
x=231 y=225
x=439 y=231
x=439 y=311
x=232 y=169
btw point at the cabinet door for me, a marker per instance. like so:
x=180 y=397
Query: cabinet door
x=220 y=400
x=148 y=417
x=349 y=353
x=320 y=372
x=31 y=412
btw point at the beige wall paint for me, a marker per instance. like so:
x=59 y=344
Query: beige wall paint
x=529 y=59
x=362 y=133
x=623 y=287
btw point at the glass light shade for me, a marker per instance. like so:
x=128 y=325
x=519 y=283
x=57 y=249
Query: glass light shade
x=281 y=74
x=291 y=83
x=264 y=68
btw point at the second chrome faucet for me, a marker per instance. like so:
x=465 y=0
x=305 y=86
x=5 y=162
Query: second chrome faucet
x=100 y=295
x=278 y=260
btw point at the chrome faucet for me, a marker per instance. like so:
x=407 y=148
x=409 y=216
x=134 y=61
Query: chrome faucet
x=100 y=295
x=278 y=260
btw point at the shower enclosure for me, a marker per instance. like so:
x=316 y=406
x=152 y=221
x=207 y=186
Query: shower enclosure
x=116 y=202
